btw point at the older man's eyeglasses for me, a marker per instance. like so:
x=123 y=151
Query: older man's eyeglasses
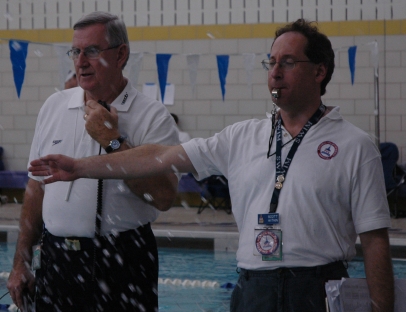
x=90 y=52
x=286 y=64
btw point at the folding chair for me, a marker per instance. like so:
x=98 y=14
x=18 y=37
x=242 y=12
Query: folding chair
x=1 y=159
x=394 y=177
x=215 y=194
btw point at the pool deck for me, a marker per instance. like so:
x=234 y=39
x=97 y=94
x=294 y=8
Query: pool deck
x=181 y=227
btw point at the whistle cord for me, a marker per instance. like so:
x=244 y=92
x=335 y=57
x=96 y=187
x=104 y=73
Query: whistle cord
x=99 y=203
x=98 y=219
x=273 y=135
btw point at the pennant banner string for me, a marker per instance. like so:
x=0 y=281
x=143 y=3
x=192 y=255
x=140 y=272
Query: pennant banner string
x=18 y=59
x=231 y=54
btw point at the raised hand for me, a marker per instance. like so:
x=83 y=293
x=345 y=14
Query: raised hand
x=54 y=167
x=101 y=124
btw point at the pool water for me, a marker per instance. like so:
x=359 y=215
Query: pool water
x=191 y=280
x=221 y=267
x=195 y=265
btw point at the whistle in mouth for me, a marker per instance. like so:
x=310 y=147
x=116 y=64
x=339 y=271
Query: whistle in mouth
x=275 y=93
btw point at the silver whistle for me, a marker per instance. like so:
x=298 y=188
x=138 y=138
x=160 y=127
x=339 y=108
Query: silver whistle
x=275 y=93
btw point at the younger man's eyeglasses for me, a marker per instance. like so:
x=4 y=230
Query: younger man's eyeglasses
x=286 y=64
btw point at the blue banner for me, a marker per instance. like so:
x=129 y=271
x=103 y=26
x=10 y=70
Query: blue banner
x=222 y=64
x=162 y=62
x=18 y=55
x=352 y=51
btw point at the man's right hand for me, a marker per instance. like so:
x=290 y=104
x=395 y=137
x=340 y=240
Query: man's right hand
x=20 y=282
x=54 y=167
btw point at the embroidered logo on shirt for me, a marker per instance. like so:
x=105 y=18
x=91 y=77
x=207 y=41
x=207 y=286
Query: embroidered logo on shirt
x=54 y=142
x=125 y=98
x=327 y=150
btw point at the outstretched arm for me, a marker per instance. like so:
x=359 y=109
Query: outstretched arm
x=138 y=162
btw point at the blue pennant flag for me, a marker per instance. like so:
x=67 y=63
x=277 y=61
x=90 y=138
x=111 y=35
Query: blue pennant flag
x=222 y=64
x=352 y=51
x=162 y=61
x=18 y=55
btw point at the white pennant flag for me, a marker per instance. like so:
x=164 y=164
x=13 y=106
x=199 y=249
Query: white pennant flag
x=134 y=67
x=374 y=56
x=65 y=64
x=193 y=63
x=249 y=64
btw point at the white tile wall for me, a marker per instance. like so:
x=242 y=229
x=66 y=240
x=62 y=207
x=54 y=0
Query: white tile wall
x=39 y=14
x=204 y=113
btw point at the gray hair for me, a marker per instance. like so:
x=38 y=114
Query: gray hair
x=116 y=30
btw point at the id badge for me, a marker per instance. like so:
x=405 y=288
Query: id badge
x=268 y=244
x=36 y=257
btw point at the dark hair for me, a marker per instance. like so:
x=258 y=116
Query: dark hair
x=318 y=48
x=175 y=117
x=116 y=30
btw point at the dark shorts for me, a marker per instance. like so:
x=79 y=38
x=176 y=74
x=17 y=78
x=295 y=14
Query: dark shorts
x=285 y=289
x=110 y=273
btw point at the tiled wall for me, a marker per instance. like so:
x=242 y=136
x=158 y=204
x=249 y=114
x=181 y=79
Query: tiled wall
x=237 y=26
x=51 y=14
x=204 y=113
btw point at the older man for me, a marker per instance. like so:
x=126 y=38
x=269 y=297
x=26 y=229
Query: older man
x=90 y=242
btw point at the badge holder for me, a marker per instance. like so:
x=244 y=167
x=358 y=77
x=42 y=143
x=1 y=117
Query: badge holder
x=268 y=239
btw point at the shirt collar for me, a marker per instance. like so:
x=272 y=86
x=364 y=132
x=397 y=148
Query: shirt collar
x=122 y=103
x=333 y=113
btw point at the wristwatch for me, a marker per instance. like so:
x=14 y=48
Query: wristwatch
x=114 y=144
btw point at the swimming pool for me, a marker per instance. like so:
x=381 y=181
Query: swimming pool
x=201 y=265
x=191 y=280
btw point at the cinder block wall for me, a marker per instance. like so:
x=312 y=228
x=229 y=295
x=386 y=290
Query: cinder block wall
x=204 y=113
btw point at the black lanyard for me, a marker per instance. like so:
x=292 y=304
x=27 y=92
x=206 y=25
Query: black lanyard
x=281 y=171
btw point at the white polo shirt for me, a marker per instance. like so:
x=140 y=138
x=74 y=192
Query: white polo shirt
x=334 y=188
x=61 y=129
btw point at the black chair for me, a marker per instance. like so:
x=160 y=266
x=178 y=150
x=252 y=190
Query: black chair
x=215 y=194
x=3 y=199
x=1 y=159
x=394 y=178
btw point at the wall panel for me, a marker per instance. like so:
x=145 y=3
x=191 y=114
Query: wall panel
x=64 y=14
x=50 y=14
x=102 y=5
x=13 y=15
x=169 y=16
x=196 y=12
x=155 y=12
x=141 y=13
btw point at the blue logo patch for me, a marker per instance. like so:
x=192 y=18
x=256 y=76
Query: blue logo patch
x=54 y=142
